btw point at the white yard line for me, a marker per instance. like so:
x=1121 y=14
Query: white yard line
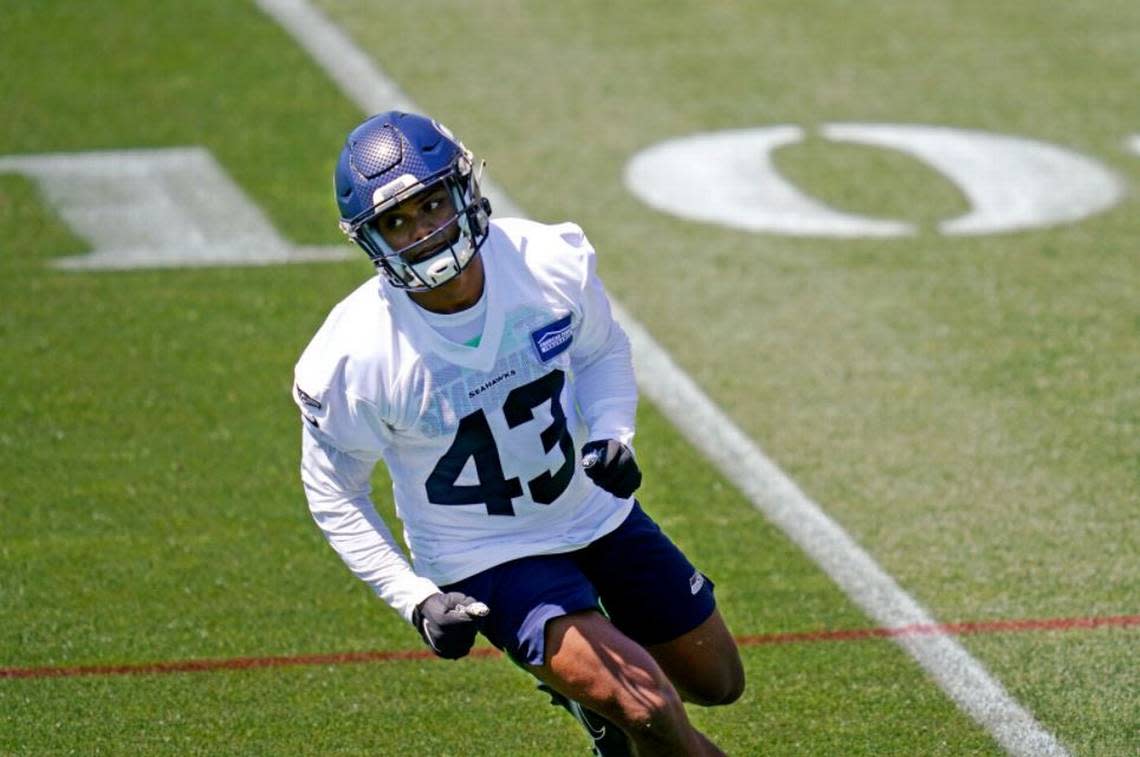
x=738 y=458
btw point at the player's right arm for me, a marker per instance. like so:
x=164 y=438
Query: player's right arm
x=338 y=488
x=344 y=436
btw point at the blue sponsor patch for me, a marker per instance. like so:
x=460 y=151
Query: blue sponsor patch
x=553 y=338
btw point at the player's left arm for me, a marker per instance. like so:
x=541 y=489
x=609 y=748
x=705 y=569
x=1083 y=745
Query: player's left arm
x=606 y=390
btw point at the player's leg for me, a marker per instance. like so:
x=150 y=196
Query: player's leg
x=523 y=596
x=606 y=738
x=655 y=596
x=591 y=662
x=544 y=616
x=703 y=664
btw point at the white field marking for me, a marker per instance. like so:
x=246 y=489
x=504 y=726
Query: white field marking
x=158 y=208
x=1134 y=143
x=962 y=677
x=1012 y=183
x=728 y=177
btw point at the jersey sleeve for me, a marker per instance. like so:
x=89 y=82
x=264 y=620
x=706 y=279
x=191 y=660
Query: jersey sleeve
x=338 y=487
x=600 y=356
x=344 y=435
x=335 y=414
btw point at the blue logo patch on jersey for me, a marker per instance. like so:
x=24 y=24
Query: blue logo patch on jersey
x=553 y=338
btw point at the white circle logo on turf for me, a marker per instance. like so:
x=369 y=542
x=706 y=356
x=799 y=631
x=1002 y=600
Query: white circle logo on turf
x=1011 y=183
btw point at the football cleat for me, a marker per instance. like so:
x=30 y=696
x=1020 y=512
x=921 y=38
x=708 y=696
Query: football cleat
x=606 y=739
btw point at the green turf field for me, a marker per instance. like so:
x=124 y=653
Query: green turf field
x=967 y=407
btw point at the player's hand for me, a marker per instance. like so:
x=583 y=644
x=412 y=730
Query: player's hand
x=610 y=465
x=447 y=623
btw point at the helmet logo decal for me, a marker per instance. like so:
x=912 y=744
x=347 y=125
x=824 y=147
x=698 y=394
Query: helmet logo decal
x=393 y=188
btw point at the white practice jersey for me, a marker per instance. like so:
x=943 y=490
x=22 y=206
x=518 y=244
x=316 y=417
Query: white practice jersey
x=482 y=443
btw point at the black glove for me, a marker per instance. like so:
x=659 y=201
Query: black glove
x=610 y=465
x=447 y=623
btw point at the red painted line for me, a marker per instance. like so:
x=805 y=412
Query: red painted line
x=232 y=663
x=948 y=629
x=856 y=634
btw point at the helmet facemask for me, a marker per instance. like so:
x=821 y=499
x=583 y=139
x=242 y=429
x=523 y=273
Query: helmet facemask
x=469 y=225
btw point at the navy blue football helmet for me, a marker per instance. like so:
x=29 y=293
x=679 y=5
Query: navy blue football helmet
x=390 y=158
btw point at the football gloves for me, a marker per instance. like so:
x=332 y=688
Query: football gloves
x=448 y=622
x=610 y=465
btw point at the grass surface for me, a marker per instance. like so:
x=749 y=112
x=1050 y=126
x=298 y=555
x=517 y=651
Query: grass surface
x=965 y=407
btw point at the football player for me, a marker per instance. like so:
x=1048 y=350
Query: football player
x=484 y=367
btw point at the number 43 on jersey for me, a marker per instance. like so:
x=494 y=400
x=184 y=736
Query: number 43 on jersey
x=474 y=441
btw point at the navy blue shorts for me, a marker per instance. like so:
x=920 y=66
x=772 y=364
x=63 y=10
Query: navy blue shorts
x=645 y=584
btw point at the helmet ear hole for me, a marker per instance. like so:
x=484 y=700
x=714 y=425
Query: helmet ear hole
x=482 y=215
